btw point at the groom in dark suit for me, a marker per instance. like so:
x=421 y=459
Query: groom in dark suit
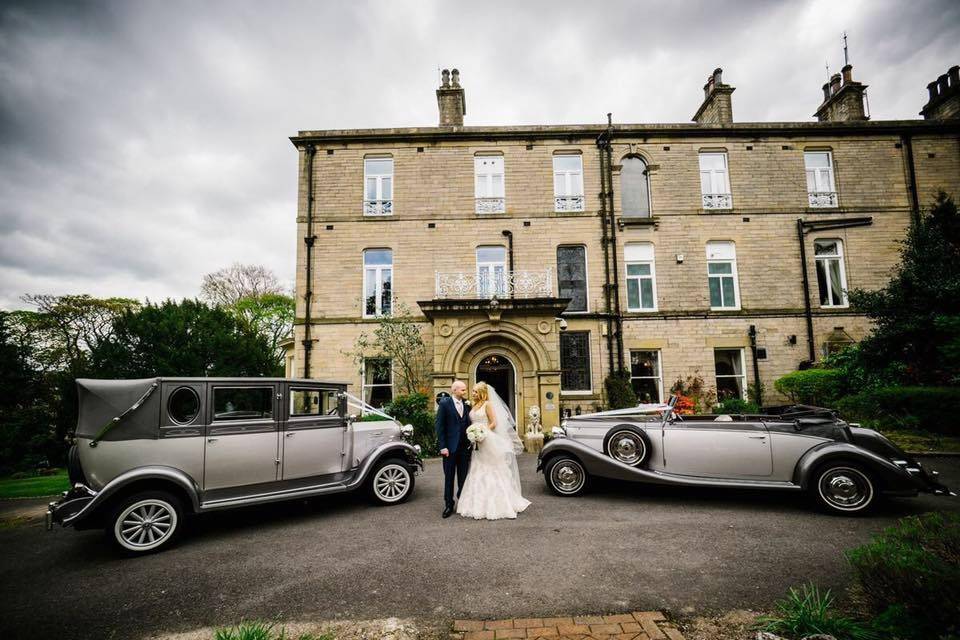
x=453 y=418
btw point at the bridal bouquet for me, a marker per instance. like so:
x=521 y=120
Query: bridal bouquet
x=476 y=433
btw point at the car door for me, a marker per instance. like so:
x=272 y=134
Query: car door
x=313 y=433
x=242 y=435
x=721 y=449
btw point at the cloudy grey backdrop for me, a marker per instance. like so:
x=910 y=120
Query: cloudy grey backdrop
x=143 y=144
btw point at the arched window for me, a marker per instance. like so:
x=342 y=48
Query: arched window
x=635 y=188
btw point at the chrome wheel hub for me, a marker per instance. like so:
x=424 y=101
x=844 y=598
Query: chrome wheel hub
x=391 y=483
x=567 y=476
x=846 y=489
x=627 y=447
x=145 y=525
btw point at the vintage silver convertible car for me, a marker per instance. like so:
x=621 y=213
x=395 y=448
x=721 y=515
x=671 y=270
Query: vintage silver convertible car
x=150 y=452
x=845 y=468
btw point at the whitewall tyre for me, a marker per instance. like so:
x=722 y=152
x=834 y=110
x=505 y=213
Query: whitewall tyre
x=391 y=482
x=566 y=476
x=628 y=446
x=844 y=489
x=146 y=522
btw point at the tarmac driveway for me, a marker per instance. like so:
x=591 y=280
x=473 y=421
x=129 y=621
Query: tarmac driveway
x=621 y=548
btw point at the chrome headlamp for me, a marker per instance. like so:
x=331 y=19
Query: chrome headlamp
x=559 y=432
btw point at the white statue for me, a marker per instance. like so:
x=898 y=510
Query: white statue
x=534 y=431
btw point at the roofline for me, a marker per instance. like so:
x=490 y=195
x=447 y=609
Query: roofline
x=243 y=379
x=656 y=130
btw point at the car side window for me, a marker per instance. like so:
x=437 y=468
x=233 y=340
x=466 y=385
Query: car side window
x=242 y=403
x=314 y=402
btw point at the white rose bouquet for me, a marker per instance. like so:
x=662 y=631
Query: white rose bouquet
x=476 y=433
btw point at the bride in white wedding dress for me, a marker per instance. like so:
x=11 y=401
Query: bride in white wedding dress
x=492 y=487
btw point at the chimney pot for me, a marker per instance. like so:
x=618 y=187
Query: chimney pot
x=451 y=100
x=446 y=78
x=826 y=91
x=943 y=82
x=455 y=78
x=932 y=88
x=834 y=83
x=716 y=75
x=954 y=73
x=847 y=72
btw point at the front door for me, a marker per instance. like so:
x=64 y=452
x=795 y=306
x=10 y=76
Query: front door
x=717 y=449
x=241 y=441
x=497 y=371
x=314 y=432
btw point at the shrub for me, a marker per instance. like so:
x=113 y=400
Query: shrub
x=620 y=393
x=914 y=565
x=735 y=406
x=692 y=395
x=930 y=409
x=262 y=631
x=806 y=611
x=820 y=387
x=412 y=409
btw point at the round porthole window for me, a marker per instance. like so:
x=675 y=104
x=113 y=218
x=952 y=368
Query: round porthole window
x=183 y=405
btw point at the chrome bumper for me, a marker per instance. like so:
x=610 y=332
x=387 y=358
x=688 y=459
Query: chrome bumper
x=71 y=503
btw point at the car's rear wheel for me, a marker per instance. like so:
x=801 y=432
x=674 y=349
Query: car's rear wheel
x=391 y=482
x=145 y=522
x=566 y=476
x=843 y=488
x=627 y=445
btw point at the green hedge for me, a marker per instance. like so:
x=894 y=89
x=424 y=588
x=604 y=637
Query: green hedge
x=933 y=409
x=911 y=575
x=735 y=406
x=819 y=387
x=620 y=394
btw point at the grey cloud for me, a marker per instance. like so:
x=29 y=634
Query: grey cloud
x=143 y=144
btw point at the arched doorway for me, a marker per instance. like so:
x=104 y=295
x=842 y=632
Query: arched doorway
x=498 y=371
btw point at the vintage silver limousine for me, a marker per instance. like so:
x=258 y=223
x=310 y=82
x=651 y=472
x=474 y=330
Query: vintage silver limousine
x=845 y=468
x=150 y=452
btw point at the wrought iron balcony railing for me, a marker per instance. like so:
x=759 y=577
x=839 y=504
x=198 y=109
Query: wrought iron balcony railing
x=491 y=205
x=717 y=201
x=501 y=284
x=822 y=198
x=377 y=207
x=568 y=203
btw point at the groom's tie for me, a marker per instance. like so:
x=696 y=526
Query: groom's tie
x=459 y=404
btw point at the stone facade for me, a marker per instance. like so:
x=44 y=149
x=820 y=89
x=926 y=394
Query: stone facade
x=433 y=227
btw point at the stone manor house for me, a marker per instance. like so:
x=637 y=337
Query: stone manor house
x=541 y=258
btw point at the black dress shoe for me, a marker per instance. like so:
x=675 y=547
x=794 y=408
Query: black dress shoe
x=447 y=512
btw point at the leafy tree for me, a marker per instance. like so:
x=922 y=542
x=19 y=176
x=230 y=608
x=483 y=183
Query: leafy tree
x=185 y=338
x=916 y=336
x=269 y=315
x=27 y=432
x=399 y=339
x=230 y=284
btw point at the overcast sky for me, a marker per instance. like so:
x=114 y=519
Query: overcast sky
x=144 y=144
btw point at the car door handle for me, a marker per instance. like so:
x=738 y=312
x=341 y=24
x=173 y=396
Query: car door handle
x=757 y=437
x=290 y=434
x=212 y=439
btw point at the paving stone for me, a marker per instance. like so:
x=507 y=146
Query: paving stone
x=510 y=633
x=498 y=624
x=523 y=623
x=467 y=625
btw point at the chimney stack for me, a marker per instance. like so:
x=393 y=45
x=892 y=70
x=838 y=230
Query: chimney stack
x=451 y=99
x=842 y=98
x=717 y=107
x=944 y=100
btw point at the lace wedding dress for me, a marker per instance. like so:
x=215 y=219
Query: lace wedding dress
x=492 y=488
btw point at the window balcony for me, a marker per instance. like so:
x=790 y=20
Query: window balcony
x=504 y=284
x=822 y=199
x=718 y=201
x=491 y=205
x=568 y=203
x=377 y=207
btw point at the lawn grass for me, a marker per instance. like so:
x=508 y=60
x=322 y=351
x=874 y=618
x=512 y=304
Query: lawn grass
x=34 y=486
x=921 y=441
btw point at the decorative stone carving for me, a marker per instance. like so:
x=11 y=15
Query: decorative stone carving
x=534 y=431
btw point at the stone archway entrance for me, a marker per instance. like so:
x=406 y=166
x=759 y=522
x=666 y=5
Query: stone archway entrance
x=499 y=372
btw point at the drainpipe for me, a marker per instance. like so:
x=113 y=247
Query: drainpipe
x=604 y=241
x=509 y=236
x=308 y=241
x=756 y=366
x=807 y=311
x=611 y=289
x=907 y=141
x=618 y=318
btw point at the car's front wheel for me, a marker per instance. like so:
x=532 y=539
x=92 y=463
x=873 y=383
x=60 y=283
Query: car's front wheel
x=843 y=488
x=566 y=476
x=145 y=522
x=391 y=482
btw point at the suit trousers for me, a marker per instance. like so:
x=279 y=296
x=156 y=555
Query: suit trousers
x=456 y=464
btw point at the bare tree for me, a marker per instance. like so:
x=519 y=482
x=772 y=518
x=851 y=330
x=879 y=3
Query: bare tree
x=229 y=285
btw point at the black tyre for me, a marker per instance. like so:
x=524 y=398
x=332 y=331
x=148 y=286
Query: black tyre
x=566 y=476
x=843 y=488
x=391 y=482
x=627 y=444
x=145 y=522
